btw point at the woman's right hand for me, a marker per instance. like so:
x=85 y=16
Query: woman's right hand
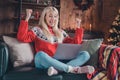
x=28 y=14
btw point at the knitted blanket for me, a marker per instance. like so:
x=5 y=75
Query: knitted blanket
x=109 y=64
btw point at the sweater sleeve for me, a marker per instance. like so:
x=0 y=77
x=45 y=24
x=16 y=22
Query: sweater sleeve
x=24 y=34
x=77 y=39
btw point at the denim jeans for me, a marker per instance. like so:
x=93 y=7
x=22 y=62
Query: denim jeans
x=44 y=61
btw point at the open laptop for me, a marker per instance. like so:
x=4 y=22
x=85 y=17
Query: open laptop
x=67 y=51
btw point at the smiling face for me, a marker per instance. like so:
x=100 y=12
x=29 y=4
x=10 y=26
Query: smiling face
x=51 y=18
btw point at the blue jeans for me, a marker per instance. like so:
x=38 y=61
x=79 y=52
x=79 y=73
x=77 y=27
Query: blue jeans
x=44 y=61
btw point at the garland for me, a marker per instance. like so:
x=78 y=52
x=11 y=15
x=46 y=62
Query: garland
x=83 y=4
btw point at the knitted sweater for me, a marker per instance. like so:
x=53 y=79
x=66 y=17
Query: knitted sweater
x=41 y=42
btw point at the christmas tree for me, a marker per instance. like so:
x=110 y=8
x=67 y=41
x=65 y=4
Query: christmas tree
x=114 y=36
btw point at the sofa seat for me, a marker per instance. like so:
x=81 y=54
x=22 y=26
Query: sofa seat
x=31 y=73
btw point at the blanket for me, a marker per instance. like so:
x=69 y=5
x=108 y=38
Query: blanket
x=108 y=65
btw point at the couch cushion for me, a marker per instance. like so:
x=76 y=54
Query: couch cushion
x=74 y=76
x=20 y=53
x=30 y=73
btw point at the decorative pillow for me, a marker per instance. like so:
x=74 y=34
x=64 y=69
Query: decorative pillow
x=21 y=54
x=92 y=46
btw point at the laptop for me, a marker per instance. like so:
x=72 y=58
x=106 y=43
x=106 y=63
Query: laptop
x=67 y=51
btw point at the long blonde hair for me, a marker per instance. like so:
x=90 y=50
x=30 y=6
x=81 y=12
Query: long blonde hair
x=43 y=25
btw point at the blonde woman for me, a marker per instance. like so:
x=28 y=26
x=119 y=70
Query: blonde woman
x=46 y=37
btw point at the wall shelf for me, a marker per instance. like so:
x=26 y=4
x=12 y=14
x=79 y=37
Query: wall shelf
x=39 y=5
x=20 y=7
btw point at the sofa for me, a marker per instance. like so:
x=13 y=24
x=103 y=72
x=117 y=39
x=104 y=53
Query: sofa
x=11 y=71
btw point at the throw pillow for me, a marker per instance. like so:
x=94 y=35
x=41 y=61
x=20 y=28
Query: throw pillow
x=21 y=54
x=92 y=46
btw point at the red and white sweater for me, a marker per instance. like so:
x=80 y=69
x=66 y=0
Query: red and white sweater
x=41 y=43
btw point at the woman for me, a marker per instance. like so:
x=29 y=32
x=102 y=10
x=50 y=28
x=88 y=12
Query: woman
x=46 y=37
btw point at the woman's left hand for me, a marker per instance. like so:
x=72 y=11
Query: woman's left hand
x=78 y=22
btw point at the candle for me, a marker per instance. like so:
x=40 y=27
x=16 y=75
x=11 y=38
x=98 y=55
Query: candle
x=90 y=27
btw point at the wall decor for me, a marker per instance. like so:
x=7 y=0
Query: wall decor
x=83 y=4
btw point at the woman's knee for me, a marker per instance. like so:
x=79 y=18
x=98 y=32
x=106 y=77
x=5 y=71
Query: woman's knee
x=40 y=56
x=85 y=54
x=39 y=59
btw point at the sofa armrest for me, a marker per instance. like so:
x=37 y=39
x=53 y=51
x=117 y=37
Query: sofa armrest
x=3 y=58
